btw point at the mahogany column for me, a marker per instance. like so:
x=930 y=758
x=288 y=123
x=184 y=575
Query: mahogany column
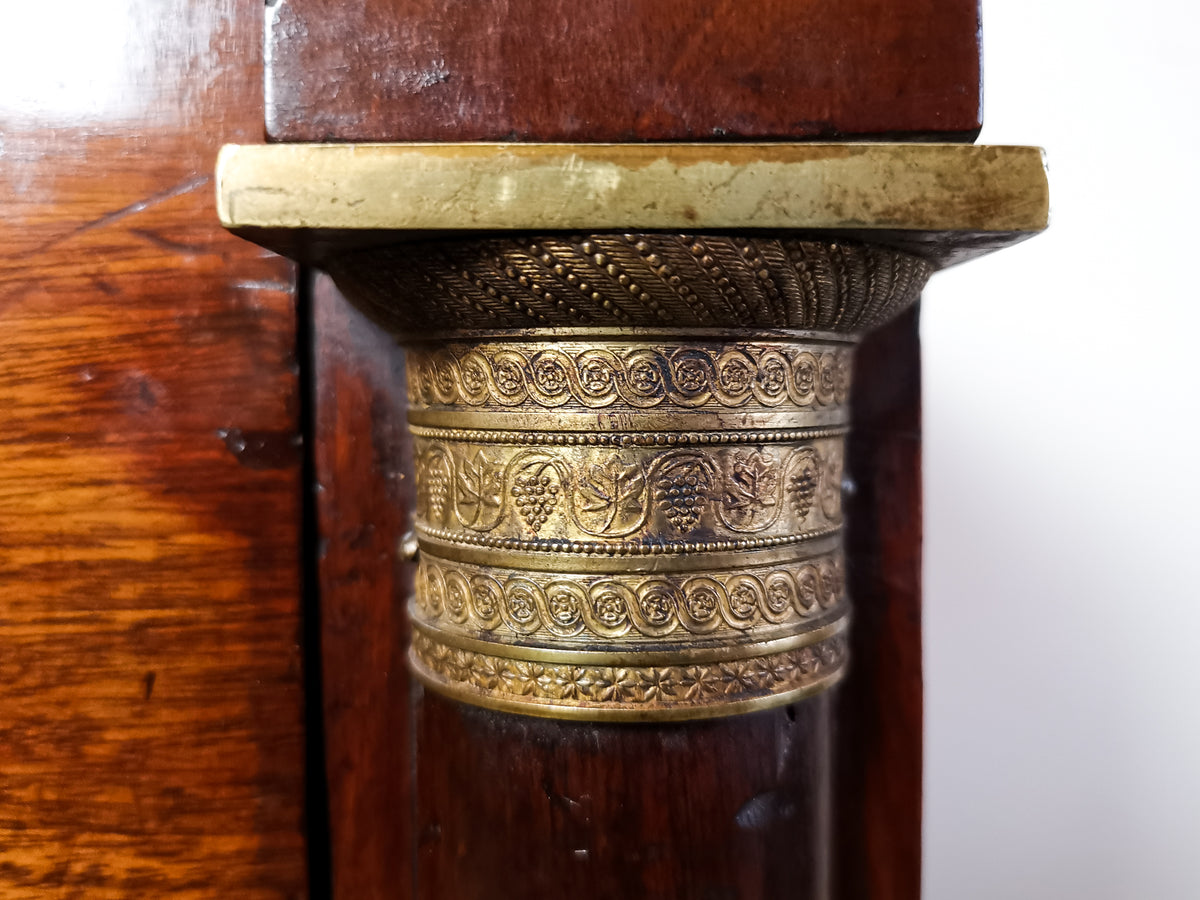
x=625 y=71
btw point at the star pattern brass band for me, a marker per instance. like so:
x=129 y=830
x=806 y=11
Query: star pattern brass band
x=691 y=687
x=629 y=458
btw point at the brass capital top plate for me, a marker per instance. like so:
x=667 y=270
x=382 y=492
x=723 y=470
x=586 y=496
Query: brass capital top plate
x=946 y=202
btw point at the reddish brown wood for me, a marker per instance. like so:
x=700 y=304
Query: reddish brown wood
x=363 y=473
x=530 y=808
x=880 y=712
x=151 y=733
x=503 y=803
x=622 y=70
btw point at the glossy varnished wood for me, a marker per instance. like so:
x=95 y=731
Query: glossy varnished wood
x=530 y=808
x=629 y=70
x=507 y=806
x=490 y=788
x=363 y=471
x=880 y=709
x=151 y=734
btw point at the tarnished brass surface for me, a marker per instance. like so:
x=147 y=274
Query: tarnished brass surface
x=635 y=280
x=629 y=529
x=629 y=444
x=629 y=454
x=684 y=688
x=414 y=188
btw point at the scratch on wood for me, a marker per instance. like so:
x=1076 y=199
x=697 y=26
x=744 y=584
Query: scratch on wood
x=165 y=243
x=116 y=215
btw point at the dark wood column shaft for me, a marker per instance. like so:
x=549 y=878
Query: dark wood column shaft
x=732 y=808
x=493 y=804
x=880 y=706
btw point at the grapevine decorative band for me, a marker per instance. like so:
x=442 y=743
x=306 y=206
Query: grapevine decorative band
x=635 y=493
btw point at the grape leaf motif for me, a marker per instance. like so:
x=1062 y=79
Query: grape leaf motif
x=613 y=490
x=831 y=487
x=480 y=491
x=750 y=486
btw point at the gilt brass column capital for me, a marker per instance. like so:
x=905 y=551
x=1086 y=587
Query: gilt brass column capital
x=628 y=375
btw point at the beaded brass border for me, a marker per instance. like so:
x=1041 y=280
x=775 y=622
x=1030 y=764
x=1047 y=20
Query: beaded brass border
x=621 y=548
x=625 y=439
x=544 y=559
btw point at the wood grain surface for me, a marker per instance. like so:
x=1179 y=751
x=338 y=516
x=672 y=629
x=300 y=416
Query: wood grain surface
x=622 y=70
x=530 y=808
x=363 y=469
x=151 y=703
x=880 y=707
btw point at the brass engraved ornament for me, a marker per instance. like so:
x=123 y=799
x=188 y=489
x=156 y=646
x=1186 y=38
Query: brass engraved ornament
x=655 y=280
x=618 y=610
x=629 y=453
x=628 y=375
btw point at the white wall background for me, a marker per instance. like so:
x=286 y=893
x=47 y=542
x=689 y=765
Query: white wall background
x=1062 y=394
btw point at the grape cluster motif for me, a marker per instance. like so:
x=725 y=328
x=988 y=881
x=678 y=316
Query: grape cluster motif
x=536 y=493
x=682 y=491
x=437 y=486
x=802 y=486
